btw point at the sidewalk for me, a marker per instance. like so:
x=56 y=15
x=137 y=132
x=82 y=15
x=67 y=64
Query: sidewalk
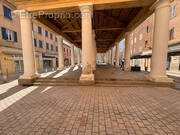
x=174 y=74
x=10 y=77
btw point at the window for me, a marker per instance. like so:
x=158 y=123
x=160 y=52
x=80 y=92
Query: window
x=9 y=35
x=40 y=44
x=148 y=29
x=141 y=36
x=173 y=11
x=171 y=34
x=56 y=39
x=47 y=46
x=35 y=42
x=146 y=44
x=51 y=36
x=52 y=47
x=39 y=30
x=56 y=49
x=7 y=12
x=46 y=33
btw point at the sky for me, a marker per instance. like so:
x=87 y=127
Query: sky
x=66 y=43
x=121 y=45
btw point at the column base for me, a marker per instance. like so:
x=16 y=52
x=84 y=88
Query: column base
x=127 y=69
x=60 y=68
x=117 y=66
x=87 y=79
x=161 y=80
x=28 y=80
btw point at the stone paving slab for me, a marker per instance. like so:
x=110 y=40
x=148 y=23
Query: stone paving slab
x=90 y=111
x=102 y=72
x=110 y=72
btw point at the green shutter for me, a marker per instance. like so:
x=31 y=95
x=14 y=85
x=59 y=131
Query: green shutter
x=3 y=31
x=15 y=37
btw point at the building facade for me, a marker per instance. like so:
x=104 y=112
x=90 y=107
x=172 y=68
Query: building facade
x=67 y=55
x=142 y=41
x=10 y=40
x=45 y=43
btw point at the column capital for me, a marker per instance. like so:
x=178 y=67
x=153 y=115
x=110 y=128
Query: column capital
x=86 y=7
x=160 y=4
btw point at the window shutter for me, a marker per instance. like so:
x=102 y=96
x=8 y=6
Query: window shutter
x=3 y=31
x=7 y=12
x=15 y=37
x=35 y=43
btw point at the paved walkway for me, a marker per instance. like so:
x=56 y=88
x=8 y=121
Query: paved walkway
x=110 y=72
x=102 y=72
x=89 y=111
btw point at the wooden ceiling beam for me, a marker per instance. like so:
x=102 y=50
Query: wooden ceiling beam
x=117 y=20
x=143 y=14
x=97 y=40
x=56 y=29
x=36 y=5
x=97 y=29
x=69 y=24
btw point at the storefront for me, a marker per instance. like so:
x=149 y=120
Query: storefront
x=49 y=61
x=11 y=63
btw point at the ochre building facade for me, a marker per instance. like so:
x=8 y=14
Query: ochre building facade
x=45 y=43
x=142 y=41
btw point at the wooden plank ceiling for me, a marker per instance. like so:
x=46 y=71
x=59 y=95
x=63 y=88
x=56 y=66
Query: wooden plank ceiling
x=109 y=19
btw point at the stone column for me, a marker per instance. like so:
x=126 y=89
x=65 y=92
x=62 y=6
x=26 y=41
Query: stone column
x=87 y=75
x=72 y=56
x=105 y=57
x=60 y=54
x=117 y=55
x=127 y=56
x=94 y=50
x=54 y=63
x=160 y=42
x=41 y=62
x=29 y=75
x=79 y=57
x=107 y=54
x=109 y=57
x=112 y=56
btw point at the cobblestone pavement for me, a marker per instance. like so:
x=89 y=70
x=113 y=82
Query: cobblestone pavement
x=89 y=111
